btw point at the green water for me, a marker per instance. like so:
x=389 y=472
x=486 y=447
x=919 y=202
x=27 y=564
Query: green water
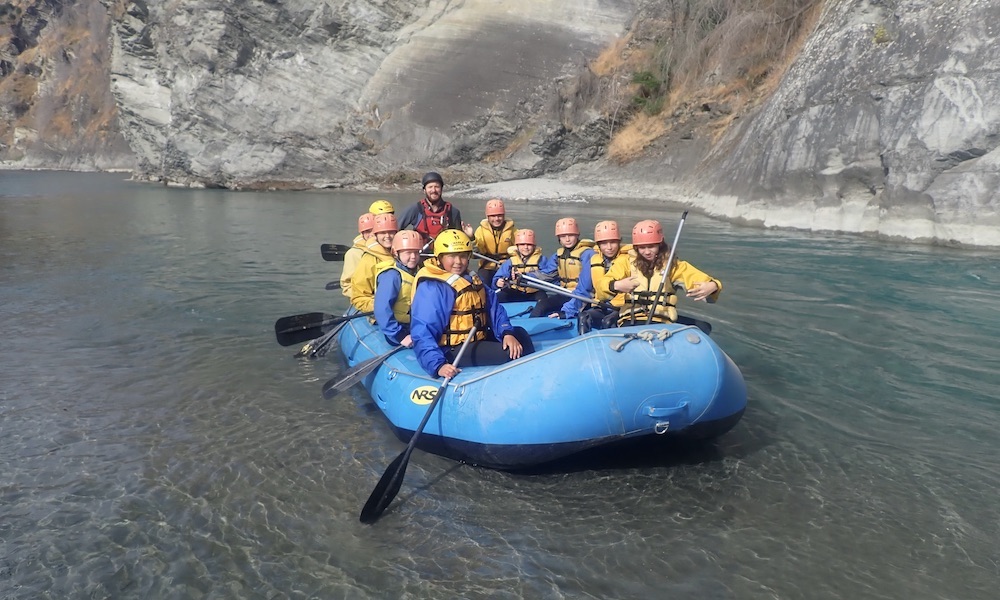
x=155 y=441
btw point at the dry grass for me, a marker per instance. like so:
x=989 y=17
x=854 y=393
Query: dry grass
x=611 y=59
x=636 y=136
x=730 y=53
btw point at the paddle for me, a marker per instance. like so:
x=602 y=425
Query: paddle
x=388 y=485
x=551 y=287
x=666 y=270
x=321 y=345
x=333 y=285
x=487 y=258
x=336 y=385
x=300 y=328
x=333 y=252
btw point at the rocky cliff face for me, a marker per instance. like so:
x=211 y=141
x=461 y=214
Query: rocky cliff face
x=885 y=122
x=297 y=93
x=56 y=107
x=888 y=122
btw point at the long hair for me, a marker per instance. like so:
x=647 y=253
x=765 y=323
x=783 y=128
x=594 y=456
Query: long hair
x=647 y=267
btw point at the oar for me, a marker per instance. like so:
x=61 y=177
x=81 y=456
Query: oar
x=388 y=485
x=321 y=345
x=333 y=285
x=358 y=372
x=300 y=328
x=666 y=270
x=487 y=258
x=555 y=289
x=333 y=252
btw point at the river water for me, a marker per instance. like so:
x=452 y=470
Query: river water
x=155 y=441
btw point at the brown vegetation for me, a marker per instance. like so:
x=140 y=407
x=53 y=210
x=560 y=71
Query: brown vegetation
x=686 y=57
x=54 y=89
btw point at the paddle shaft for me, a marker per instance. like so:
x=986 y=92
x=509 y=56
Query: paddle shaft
x=382 y=495
x=487 y=258
x=320 y=346
x=353 y=375
x=666 y=269
x=551 y=287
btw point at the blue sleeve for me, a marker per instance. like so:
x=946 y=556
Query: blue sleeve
x=548 y=264
x=387 y=286
x=499 y=321
x=584 y=287
x=410 y=217
x=502 y=273
x=429 y=313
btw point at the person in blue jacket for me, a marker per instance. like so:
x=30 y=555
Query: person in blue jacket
x=447 y=301
x=525 y=259
x=573 y=265
x=393 y=288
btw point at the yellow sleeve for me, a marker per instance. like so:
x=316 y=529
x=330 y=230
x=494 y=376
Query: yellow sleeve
x=620 y=269
x=688 y=275
x=597 y=277
x=480 y=238
x=351 y=258
x=363 y=284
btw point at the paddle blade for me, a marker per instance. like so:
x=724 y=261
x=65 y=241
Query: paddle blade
x=300 y=328
x=299 y=322
x=386 y=489
x=333 y=252
x=333 y=285
x=356 y=373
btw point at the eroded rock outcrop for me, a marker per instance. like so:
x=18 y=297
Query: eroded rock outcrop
x=303 y=92
x=887 y=123
x=56 y=108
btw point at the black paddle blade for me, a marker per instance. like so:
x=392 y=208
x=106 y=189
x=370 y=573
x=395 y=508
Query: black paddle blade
x=333 y=252
x=333 y=285
x=386 y=489
x=300 y=328
x=356 y=373
x=299 y=322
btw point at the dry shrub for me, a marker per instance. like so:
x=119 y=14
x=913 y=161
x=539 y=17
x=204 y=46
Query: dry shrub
x=731 y=52
x=632 y=139
x=611 y=59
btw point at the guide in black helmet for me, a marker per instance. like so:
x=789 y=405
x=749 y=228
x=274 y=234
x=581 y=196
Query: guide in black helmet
x=432 y=214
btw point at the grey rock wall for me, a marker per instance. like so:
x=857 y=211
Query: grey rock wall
x=887 y=123
x=315 y=92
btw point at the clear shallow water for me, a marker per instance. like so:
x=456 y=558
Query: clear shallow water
x=156 y=442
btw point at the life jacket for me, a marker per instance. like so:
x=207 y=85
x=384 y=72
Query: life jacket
x=493 y=243
x=433 y=222
x=524 y=265
x=599 y=267
x=363 y=278
x=635 y=305
x=570 y=265
x=468 y=309
x=401 y=307
x=351 y=259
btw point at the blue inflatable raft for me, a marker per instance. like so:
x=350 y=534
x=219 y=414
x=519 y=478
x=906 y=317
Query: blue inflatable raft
x=574 y=393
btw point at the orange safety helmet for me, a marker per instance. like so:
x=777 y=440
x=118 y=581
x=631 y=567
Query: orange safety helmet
x=366 y=222
x=647 y=232
x=407 y=240
x=495 y=207
x=385 y=223
x=524 y=236
x=567 y=226
x=380 y=207
x=607 y=231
